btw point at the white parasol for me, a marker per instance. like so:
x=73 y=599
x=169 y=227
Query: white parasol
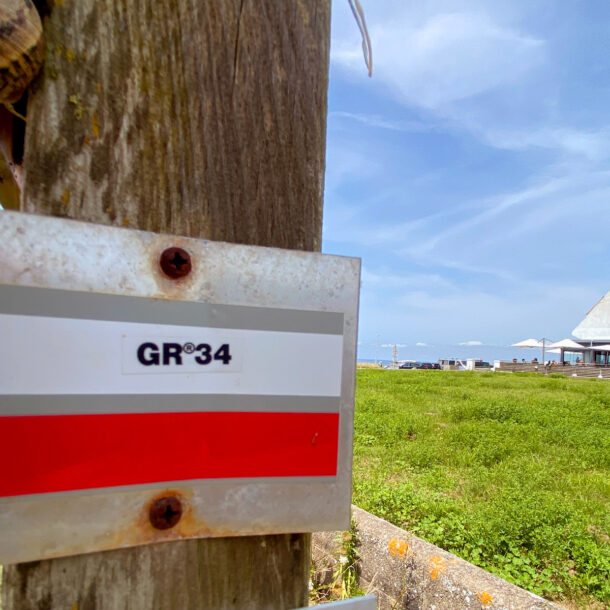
x=568 y=344
x=528 y=343
x=533 y=343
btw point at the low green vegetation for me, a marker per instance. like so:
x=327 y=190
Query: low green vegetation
x=344 y=582
x=509 y=471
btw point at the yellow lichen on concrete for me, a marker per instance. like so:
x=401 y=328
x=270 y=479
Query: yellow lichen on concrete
x=436 y=566
x=485 y=598
x=398 y=547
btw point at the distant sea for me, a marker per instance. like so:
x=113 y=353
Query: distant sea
x=432 y=353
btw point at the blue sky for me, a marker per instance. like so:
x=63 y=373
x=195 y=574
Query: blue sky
x=471 y=173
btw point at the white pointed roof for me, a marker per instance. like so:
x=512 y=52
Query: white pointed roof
x=528 y=343
x=596 y=325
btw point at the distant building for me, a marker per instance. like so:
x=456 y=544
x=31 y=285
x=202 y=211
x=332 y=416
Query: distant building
x=594 y=332
x=596 y=325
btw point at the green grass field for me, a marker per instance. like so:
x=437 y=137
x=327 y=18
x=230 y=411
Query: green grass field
x=508 y=471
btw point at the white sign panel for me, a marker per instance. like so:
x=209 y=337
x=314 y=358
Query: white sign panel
x=137 y=408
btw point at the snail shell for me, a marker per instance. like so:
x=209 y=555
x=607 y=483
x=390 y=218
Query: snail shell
x=21 y=47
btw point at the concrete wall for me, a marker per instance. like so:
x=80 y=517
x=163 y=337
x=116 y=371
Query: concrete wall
x=407 y=572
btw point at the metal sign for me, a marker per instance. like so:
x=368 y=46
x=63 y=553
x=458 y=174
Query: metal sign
x=138 y=406
x=367 y=602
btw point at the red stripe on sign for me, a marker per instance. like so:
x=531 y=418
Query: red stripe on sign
x=53 y=453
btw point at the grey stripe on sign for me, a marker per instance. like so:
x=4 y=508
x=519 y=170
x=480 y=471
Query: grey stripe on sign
x=88 y=404
x=192 y=483
x=54 y=303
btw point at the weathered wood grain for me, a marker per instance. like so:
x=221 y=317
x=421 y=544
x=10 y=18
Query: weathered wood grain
x=251 y=572
x=182 y=116
x=204 y=119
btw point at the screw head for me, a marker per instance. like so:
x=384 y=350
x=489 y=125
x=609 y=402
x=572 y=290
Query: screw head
x=175 y=262
x=165 y=513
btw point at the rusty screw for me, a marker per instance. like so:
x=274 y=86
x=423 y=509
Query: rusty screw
x=165 y=513
x=175 y=262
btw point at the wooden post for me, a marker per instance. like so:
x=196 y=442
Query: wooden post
x=204 y=119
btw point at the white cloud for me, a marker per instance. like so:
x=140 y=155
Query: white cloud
x=363 y=231
x=444 y=59
x=471 y=343
x=448 y=57
x=492 y=208
x=594 y=145
x=346 y=163
x=421 y=344
x=389 y=280
x=569 y=198
x=537 y=308
x=375 y=120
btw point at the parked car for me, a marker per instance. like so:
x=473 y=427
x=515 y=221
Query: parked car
x=408 y=365
x=425 y=365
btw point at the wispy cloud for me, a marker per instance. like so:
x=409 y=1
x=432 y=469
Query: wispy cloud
x=594 y=145
x=403 y=281
x=448 y=57
x=506 y=217
x=377 y=121
x=468 y=70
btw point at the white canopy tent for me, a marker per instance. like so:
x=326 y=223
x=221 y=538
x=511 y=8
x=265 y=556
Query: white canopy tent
x=603 y=348
x=568 y=344
x=528 y=343
x=542 y=343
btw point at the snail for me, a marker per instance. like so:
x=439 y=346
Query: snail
x=21 y=56
x=21 y=48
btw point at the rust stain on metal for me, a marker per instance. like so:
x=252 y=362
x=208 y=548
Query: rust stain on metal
x=155 y=511
x=165 y=512
x=175 y=288
x=175 y=262
x=190 y=525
